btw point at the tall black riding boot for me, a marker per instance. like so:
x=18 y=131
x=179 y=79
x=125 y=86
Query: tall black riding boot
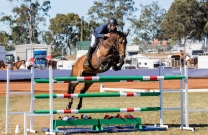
x=89 y=54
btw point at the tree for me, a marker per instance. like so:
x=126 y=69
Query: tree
x=122 y=10
x=66 y=30
x=4 y=39
x=202 y=15
x=148 y=25
x=24 y=23
x=182 y=21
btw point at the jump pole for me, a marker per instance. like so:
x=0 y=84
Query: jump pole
x=51 y=99
x=187 y=102
x=98 y=110
x=93 y=79
x=91 y=95
x=161 y=99
x=181 y=98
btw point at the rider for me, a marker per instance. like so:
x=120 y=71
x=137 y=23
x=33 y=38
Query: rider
x=183 y=56
x=102 y=31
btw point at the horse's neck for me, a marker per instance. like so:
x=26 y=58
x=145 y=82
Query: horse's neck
x=112 y=39
x=17 y=65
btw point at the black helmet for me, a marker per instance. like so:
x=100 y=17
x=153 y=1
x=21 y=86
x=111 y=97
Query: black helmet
x=112 y=21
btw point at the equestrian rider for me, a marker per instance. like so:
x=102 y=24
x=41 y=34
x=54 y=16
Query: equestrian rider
x=183 y=56
x=100 y=32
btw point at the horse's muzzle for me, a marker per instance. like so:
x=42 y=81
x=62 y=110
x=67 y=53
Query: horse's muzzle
x=122 y=57
x=121 y=61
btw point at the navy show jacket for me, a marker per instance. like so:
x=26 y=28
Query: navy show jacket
x=101 y=30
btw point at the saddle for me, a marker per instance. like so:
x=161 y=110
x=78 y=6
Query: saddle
x=97 y=44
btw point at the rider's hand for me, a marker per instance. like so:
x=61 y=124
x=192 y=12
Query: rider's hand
x=107 y=35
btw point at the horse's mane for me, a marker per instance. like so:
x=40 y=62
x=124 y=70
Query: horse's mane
x=118 y=33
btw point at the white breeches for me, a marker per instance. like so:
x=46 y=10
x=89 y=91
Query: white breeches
x=93 y=41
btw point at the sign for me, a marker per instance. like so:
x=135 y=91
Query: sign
x=155 y=42
x=164 y=42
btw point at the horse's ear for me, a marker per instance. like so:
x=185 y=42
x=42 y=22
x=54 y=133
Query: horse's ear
x=127 y=33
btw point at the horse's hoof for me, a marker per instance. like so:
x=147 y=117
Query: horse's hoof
x=78 y=107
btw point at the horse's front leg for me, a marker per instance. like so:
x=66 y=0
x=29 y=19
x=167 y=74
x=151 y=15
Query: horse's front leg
x=71 y=88
x=106 y=63
x=120 y=64
x=83 y=90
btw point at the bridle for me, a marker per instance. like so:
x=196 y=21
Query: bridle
x=116 y=45
x=115 y=48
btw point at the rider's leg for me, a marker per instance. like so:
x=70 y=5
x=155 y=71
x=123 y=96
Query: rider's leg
x=90 y=50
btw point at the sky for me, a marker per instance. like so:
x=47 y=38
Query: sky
x=79 y=7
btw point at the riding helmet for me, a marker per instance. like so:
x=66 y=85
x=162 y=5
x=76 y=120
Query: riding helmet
x=112 y=21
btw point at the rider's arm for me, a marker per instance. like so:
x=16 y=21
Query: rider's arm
x=98 y=32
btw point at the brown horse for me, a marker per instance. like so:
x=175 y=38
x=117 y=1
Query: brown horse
x=3 y=66
x=108 y=53
x=18 y=64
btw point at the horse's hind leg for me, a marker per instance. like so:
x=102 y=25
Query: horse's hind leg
x=83 y=90
x=71 y=88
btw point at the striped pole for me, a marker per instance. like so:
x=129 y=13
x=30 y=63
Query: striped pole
x=42 y=80
x=118 y=78
x=91 y=79
x=99 y=110
x=104 y=94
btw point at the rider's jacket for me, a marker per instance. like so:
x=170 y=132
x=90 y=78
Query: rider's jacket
x=101 y=30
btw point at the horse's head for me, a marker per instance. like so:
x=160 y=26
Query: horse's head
x=19 y=63
x=191 y=61
x=23 y=63
x=120 y=41
x=1 y=63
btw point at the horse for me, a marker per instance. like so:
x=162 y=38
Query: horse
x=195 y=61
x=3 y=66
x=1 y=63
x=18 y=64
x=108 y=53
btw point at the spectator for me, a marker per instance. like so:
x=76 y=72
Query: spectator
x=18 y=58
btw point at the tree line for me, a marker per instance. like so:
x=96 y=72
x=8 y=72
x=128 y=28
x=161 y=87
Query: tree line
x=184 y=20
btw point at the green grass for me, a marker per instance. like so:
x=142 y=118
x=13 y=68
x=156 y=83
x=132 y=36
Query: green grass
x=172 y=118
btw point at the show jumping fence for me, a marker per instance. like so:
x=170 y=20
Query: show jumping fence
x=51 y=80
x=93 y=79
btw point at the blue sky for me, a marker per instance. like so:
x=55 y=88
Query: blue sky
x=76 y=6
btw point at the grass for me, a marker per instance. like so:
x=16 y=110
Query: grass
x=172 y=118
